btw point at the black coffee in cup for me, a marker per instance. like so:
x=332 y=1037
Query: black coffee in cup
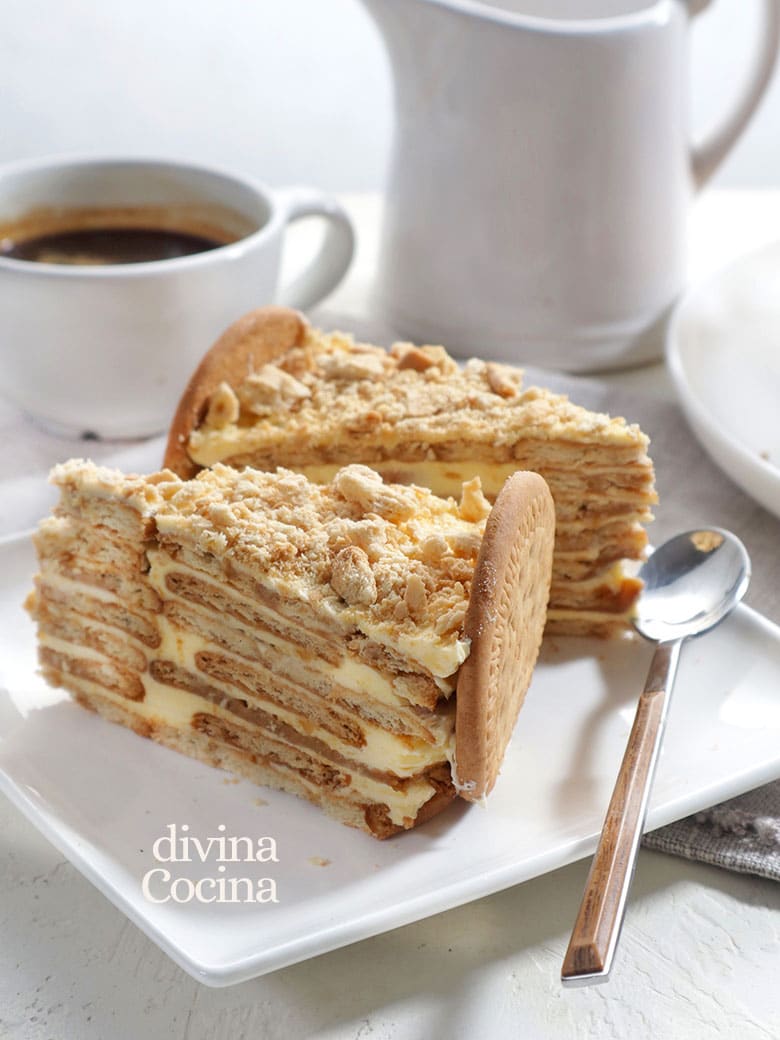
x=93 y=237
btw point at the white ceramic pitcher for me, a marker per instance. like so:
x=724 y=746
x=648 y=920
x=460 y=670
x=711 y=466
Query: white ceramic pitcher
x=542 y=172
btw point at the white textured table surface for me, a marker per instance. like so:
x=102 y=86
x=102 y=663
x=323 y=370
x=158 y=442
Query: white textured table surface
x=698 y=957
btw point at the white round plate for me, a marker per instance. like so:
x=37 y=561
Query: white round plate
x=723 y=352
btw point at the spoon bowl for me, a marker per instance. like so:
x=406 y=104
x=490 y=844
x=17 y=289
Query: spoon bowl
x=691 y=583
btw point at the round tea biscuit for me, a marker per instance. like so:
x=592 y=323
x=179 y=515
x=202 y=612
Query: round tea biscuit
x=245 y=346
x=504 y=621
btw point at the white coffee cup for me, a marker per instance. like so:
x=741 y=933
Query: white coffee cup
x=542 y=172
x=107 y=349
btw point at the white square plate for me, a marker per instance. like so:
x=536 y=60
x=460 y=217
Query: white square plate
x=103 y=795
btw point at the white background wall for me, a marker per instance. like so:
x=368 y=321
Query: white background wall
x=289 y=90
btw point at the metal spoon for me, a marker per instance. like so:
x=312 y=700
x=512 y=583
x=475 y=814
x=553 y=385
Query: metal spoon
x=691 y=582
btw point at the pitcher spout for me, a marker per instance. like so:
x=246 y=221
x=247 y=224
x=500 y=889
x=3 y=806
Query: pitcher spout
x=405 y=24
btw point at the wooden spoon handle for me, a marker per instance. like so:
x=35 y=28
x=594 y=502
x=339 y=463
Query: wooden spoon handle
x=597 y=928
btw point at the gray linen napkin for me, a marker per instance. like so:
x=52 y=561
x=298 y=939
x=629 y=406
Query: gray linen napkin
x=742 y=834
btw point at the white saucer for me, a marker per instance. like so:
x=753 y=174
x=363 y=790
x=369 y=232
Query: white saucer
x=723 y=352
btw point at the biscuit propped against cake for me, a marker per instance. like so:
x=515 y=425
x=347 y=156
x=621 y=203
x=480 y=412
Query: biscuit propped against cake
x=366 y=646
x=275 y=392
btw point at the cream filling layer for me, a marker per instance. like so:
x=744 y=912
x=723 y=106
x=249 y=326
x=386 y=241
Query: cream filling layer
x=383 y=750
x=351 y=674
x=443 y=478
x=423 y=648
x=446 y=479
x=611 y=576
x=576 y=614
x=441 y=660
x=175 y=708
x=59 y=581
x=403 y=756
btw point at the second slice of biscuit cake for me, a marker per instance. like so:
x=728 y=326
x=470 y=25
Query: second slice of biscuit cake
x=314 y=401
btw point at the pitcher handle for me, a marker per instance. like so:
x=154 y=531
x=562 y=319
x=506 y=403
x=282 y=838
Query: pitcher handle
x=325 y=270
x=708 y=156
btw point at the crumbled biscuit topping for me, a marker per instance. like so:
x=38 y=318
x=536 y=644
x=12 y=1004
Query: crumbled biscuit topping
x=332 y=387
x=473 y=504
x=352 y=577
x=393 y=561
x=415 y=597
x=264 y=392
x=223 y=407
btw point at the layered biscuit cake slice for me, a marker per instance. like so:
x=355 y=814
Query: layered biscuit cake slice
x=274 y=391
x=309 y=637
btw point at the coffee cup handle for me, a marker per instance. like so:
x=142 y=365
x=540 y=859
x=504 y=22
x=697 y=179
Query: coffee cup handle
x=325 y=270
x=707 y=156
